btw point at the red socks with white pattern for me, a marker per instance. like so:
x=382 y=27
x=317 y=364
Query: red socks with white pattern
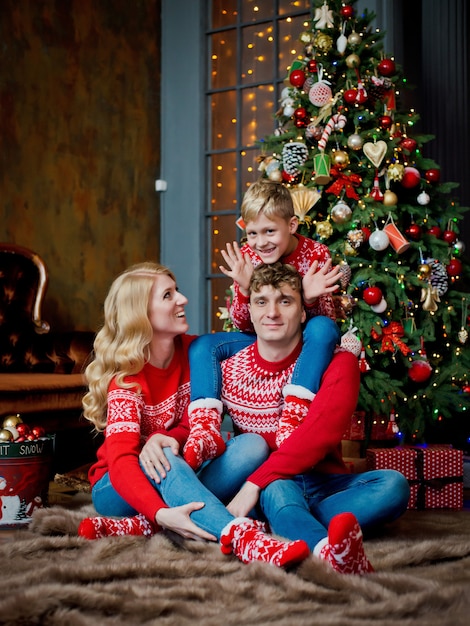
x=205 y=440
x=297 y=401
x=98 y=527
x=343 y=548
x=247 y=540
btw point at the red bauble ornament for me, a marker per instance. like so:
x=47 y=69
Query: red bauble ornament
x=23 y=429
x=300 y=122
x=366 y=232
x=386 y=67
x=407 y=143
x=38 y=431
x=435 y=231
x=297 y=78
x=449 y=236
x=420 y=371
x=411 y=177
x=372 y=296
x=432 y=175
x=454 y=267
x=300 y=113
x=414 y=231
x=349 y=96
x=385 y=122
x=312 y=66
x=347 y=11
x=287 y=178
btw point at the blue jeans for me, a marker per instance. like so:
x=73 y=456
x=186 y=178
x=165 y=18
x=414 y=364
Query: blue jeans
x=320 y=336
x=224 y=475
x=302 y=508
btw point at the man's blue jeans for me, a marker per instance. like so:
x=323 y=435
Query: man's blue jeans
x=302 y=508
x=222 y=476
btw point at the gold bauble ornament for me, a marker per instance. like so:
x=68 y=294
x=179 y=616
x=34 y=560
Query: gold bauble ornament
x=5 y=435
x=349 y=250
x=353 y=61
x=340 y=158
x=12 y=420
x=324 y=229
x=390 y=198
x=424 y=271
x=323 y=42
x=354 y=39
x=341 y=213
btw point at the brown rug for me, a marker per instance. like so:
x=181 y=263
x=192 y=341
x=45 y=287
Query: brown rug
x=51 y=577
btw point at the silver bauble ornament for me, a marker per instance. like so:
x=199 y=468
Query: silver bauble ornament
x=354 y=39
x=341 y=213
x=380 y=307
x=379 y=240
x=423 y=198
x=355 y=141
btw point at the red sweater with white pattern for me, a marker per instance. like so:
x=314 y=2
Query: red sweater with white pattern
x=306 y=252
x=132 y=417
x=252 y=393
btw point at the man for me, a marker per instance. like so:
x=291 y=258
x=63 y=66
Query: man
x=304 y=488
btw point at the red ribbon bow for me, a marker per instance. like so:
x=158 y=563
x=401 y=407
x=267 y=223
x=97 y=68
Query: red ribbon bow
x=344 y=181
x=390 y=337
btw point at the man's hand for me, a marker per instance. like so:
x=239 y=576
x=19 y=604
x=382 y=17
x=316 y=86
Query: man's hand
x=245 y=500
x=153 y=458
x=177 y=520
x=241 y=267
x=319 y=282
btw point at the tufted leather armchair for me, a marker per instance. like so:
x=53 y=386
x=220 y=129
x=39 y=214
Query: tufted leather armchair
x=40 y=371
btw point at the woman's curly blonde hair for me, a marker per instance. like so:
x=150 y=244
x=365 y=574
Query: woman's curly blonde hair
x=121 y=346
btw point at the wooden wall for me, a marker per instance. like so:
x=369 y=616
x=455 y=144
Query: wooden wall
x=79 y=143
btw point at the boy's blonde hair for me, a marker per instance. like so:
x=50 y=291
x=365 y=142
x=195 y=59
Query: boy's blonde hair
x=121 y=347
x=267 y=198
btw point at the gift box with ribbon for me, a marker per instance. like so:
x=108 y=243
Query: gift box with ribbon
x=434 y=473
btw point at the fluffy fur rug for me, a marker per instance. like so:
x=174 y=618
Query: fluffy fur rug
x=51 y=577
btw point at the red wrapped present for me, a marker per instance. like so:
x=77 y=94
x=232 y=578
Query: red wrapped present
x=434 y=472
x=356 y=427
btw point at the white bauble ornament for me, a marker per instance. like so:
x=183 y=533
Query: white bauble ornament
x=423 y=198
x=379 y=240
x=341 y=213
x=380 y=307
x=355 y=141
x=288 y=110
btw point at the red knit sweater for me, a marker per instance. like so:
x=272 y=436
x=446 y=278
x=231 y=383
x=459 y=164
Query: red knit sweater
x=252 y=393
x=306 y=252
x=160 y=407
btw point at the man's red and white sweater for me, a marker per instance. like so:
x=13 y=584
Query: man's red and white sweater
x=158 y=405
x=306 y=252
x=252 y=394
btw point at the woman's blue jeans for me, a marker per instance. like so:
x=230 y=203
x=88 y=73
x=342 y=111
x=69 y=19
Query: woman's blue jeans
x=216 y=483
x=302 y=508
x=320 y=337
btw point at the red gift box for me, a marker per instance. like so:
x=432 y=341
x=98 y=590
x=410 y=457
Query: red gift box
x=356 y=427
x=434 y=472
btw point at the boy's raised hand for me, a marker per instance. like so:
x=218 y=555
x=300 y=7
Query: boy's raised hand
x=319 y=282
x=241 y=267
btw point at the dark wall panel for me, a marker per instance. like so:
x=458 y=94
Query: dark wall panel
x=79 y=143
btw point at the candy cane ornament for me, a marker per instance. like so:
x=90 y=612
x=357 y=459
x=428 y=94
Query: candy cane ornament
x=336 y=121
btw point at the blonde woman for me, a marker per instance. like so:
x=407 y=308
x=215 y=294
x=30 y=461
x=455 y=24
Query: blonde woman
x=139 y=389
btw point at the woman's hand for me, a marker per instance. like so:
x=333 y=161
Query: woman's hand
x=177 y=520
x=153 y=458
x=245 y=500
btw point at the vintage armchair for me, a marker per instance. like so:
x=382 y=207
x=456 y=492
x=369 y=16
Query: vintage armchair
x=41 y=372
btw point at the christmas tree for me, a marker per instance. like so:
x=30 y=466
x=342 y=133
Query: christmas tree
x=361 y=184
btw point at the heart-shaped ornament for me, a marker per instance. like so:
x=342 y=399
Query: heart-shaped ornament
x=375 y=152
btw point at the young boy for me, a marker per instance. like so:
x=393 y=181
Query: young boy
x=270 y=223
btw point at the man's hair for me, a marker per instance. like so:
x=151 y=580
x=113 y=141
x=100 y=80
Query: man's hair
x=268 y=198
x=275 y=275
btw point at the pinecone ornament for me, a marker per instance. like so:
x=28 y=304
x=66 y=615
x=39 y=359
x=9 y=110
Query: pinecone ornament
x=294 y=155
